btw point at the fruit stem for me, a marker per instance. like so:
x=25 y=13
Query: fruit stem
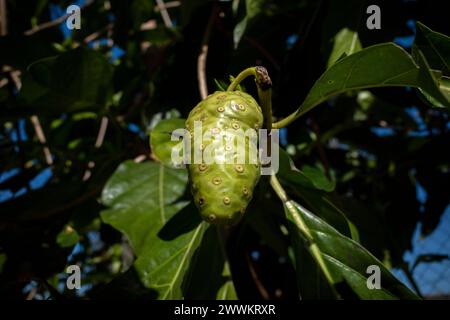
x=264 y=85
x=241 y=76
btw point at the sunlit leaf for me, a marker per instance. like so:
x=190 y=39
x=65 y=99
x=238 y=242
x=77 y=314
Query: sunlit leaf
x=382 y=65
x=144 y=203
x=161 y=143
x=346 y=42
x=346 y=260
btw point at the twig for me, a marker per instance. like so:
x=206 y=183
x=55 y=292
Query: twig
x=31 y=294
x=201 y=60
x=3 y=82
x=101 y=132
x=170 y=4
x=54 y=23
x=140 y=158
x=262 y=290
x=410 y=277
x=164 y=13
x=41 y=137
x=14 y=75
x=96 y=34
x=3 y=19
x=98 y=143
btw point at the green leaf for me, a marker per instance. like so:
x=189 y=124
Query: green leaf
x=227 y=291
x=432 y=50
x=382 y=65
x=346 y=42
x=160 y=141
x=444 y=85
x=253 y=8
x=314 y=197
x=68 y=237
x=220 y=85
x=75 y=80
x=431 y=87
x=435 y=47
x=144 y=203
x=318 y=178
x=346 y=260
x=209 y=260
x=238 y=31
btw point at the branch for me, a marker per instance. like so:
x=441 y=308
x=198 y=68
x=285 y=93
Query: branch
x=14 y=75
x=96 y=34
x=140 y=158
x=201 y=60
x=98 y=143
x=168 y=5
x=41 y=137
x=101 y=132
x=259 y=285
x=164 y=13
x=3 y=18
x=54 y=23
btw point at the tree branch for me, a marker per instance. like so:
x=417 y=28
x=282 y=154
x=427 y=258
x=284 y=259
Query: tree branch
x=41 y=137
x=54 y=23
x=3 y=18
x=164 y=13
x=259 y=285
x=201 y=60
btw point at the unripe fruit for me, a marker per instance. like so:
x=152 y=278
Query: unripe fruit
x=222 y=192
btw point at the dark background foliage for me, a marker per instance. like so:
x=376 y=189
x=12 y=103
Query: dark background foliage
x=127 y=68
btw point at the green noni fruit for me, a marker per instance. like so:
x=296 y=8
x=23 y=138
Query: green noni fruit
x=222 y=191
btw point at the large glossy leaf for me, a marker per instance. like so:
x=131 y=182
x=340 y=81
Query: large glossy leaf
x=435 y=47
x=209 y=260
x=227 y=291
x=430 y=84
x=346 y=260
x=318 y=178
x=382 y=65
x=432 y=49
x=346 y=42
x=161 y=143
x=75 y=80
x=310 y=190
x=164 y=231
x=253 y=8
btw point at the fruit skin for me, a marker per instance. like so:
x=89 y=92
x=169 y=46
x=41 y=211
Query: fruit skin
x=222 y=192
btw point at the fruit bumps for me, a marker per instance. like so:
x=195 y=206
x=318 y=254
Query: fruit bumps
x=222 y=191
